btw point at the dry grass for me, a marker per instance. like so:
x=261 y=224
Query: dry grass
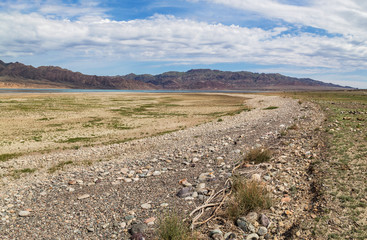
x=247 y=196
x=258 y=155
x=47 y=122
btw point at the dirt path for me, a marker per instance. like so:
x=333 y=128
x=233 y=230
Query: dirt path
x=136 y=181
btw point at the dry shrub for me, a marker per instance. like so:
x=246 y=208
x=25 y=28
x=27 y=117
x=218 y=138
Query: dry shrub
x=247 y=196
x=258 y=155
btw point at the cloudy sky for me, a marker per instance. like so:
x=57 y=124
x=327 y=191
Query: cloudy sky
x=322 y=39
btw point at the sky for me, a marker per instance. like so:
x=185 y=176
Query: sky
x=321 y=39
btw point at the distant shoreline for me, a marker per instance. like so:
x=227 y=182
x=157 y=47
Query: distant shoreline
x=65 y=90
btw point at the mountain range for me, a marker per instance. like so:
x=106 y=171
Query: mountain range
x=18 y=75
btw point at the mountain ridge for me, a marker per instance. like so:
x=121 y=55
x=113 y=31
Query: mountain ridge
x=26 y=76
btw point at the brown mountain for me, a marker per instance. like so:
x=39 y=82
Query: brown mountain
x=207 y=79
x=20 y=75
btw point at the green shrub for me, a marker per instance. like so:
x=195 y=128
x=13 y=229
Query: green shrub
x=171 y=227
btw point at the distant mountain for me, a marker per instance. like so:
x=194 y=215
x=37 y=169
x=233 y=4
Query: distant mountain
x=20 y=75
x=207 y=79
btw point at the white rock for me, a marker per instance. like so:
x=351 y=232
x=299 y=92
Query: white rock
x=84 y=196
x=146 y=206
x=24 y=213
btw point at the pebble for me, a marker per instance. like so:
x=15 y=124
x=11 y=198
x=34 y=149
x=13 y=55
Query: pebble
x=150 y=221
x=84 y=196
x=252 y=217
x=252 y=236
x=184 y=192
x=262 y=231
x=264 y=220
x=24 y=213
x=90 y=229
x=156 y=173
x=146 y=206
x=128 y=180
x=206 y=176
x=137 y=228
x=229 y=236
x=245 y=225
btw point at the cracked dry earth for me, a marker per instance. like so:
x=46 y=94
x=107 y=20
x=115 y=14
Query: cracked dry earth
x=137 y=181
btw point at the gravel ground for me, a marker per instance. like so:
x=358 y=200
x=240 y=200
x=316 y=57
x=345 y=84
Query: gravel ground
x=136 y=181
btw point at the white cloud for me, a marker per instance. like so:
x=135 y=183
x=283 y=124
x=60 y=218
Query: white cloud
x=347 y=17
x=166 y=38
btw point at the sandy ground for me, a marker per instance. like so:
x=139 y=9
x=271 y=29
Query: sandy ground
x=46 y=122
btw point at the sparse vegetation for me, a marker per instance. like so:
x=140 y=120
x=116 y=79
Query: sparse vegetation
x=59 y=166
x=59 y=121
x=18 y=172
x=258 y=155
x=342 y=170
x=7 y=156
x=247 y=196
x=171 y=227
x=270 y=108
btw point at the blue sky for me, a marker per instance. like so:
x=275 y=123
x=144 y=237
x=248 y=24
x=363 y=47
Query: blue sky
x=321 y=39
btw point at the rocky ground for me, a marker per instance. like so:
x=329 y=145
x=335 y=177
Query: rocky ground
x=129 y=186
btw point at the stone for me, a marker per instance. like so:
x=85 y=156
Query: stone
x=252 y=236
x=201 y=188
x=128 y=180
x=262 y=231
x=194 y=160
x=90 y=229
x=129 y=217
x=185 y=183
x=124 y=171
x=146 y=206
x=264 y=220
x=72 y=182
x=24 y=213
x=164 y=205
x=137 y=236
x=123 y=225
x=245 y=225
x=84 y=196
x=216 y=234
x=184 y=192
x=252 y=217
x=149 y=221
x=138 y=228
x=156 y=173
x=206 y=176
x=229 y=236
